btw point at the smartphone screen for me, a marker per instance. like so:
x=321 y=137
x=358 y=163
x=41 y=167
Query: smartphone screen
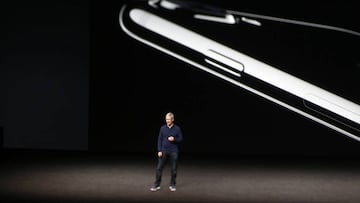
x=320 y=55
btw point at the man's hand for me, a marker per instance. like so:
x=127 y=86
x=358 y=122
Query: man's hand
x=160 y=154
x=171 y=138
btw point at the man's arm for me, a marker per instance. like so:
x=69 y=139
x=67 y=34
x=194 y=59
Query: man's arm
x=177 y=137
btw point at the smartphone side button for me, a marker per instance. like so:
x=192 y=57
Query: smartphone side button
x=227 y=18
x=228 y=70
x=234 y=64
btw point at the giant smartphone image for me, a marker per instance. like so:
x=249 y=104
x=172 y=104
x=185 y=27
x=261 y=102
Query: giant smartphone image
x=308 y=68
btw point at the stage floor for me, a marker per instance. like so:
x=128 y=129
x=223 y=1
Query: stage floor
x=46 y=176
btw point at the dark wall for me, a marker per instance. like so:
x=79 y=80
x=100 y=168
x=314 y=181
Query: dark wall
x=45 y=87
x=44 y=73
x=1 y=138
x=133 y=86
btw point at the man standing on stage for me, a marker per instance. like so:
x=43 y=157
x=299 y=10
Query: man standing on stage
x=170 y=136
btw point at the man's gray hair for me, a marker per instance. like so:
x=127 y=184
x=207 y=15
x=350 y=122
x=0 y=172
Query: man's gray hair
x=170 y=114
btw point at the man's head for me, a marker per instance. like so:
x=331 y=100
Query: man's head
x=169 y=118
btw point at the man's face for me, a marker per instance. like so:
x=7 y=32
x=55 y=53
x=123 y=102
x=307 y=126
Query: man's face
x=169 y=120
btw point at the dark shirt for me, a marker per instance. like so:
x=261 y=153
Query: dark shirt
x=164 y=145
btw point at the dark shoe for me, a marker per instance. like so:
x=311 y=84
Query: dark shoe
x=155 y=188
x=172 y=188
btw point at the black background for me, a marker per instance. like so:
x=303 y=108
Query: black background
x=44 y=74
x=134 y=86
x=107 y=92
